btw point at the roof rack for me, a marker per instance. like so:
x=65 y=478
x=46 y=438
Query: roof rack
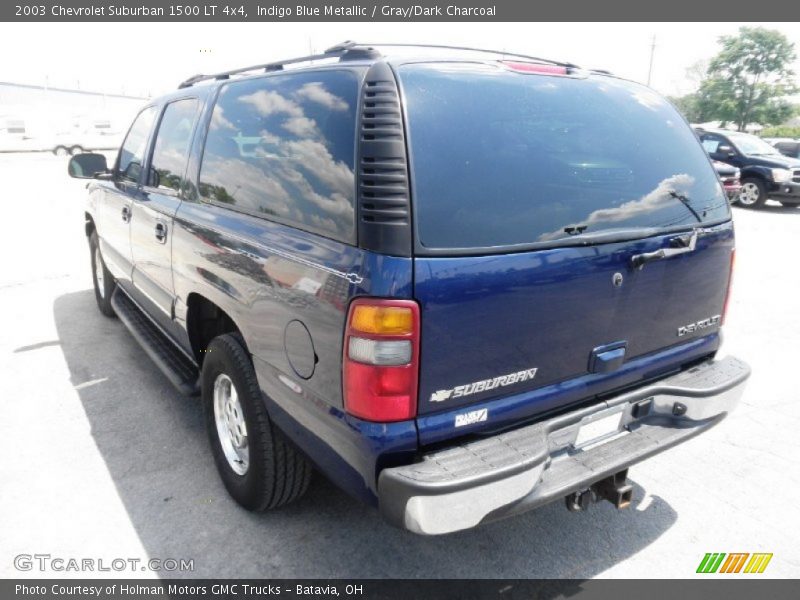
x=345 y=51
x=350 y=50
x=351 y=44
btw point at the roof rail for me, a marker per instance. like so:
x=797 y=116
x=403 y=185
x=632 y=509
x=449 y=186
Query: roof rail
x=350 y=50
x=345 y=51
x=351 y=45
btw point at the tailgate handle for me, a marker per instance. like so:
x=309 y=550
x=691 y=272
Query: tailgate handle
x=677 y=245
x=607 y=358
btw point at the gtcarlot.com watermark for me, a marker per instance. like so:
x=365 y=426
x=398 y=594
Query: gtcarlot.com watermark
x=61 y=564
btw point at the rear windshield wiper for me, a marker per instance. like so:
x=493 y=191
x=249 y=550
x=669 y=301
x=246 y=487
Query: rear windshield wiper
x=578 y=236
x=685 y=201
x=579 y=231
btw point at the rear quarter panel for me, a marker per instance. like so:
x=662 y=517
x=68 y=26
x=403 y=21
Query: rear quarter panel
x=265 y=275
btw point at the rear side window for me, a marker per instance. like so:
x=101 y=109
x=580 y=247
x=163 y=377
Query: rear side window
x=131 y=155
x=501 y=158
x=283 y=147
x=171 y=151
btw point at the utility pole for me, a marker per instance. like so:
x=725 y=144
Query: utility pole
x=652 y=53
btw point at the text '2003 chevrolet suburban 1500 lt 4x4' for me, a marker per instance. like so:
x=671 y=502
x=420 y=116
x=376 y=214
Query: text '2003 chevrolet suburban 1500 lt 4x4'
x=459 y=287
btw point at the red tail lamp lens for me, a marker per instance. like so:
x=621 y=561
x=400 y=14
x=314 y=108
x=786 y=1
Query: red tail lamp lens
x=381 y=359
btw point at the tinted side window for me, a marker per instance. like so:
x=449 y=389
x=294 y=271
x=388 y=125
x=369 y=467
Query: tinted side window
x=283 y=147
x=788 y=148
x=711 y=143
x=131 y=155
x=172 y=145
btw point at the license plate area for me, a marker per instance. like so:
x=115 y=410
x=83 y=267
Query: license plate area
x=597 y=429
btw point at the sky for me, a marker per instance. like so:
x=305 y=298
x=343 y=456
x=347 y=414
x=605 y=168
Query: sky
x=149 y=59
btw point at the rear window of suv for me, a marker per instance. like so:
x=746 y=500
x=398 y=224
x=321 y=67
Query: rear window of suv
x=283 y=147
x=502 y=158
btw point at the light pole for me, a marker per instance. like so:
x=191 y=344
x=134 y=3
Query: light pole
x=652 y=53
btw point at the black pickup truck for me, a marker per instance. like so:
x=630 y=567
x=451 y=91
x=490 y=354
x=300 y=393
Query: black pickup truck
x=765 y=172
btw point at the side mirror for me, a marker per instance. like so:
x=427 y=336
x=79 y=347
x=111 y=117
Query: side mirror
x=726 y=151
x=87 y=166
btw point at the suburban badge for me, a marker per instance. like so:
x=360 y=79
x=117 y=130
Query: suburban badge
x=484 y=385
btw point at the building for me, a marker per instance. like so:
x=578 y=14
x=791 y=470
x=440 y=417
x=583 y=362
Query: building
x=39 y=118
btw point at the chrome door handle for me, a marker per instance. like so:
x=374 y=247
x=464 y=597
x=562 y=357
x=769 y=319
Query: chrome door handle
x=126 y=214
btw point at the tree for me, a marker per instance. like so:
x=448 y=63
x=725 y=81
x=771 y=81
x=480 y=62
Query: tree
x=689 y=106
x=696 y=72
x=749 y=79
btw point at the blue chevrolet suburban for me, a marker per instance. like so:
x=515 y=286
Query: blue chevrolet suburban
x=460 y=286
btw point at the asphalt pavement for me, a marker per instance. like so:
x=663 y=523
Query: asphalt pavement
x=103 y=459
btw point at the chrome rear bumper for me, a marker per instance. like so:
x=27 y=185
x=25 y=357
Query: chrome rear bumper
x=465 y=485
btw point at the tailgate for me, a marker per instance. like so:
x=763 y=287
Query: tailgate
x=499 y=325
x=532 y=191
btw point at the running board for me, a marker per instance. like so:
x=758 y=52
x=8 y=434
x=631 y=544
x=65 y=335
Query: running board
x=179 y=369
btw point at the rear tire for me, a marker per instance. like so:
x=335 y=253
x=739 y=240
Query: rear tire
x=104 y=282
x=259 y=467
x=76 y=150
x=753 y=194
x=60 y=151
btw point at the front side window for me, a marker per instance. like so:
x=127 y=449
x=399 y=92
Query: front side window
x=171 y=150
x=283 y=147
x=502 y=158
x=131 y=155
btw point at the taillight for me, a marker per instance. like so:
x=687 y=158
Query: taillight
x=730 y=284
x=381 y=359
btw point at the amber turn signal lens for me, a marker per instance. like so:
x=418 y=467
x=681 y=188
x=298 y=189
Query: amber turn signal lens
x=385 y=320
